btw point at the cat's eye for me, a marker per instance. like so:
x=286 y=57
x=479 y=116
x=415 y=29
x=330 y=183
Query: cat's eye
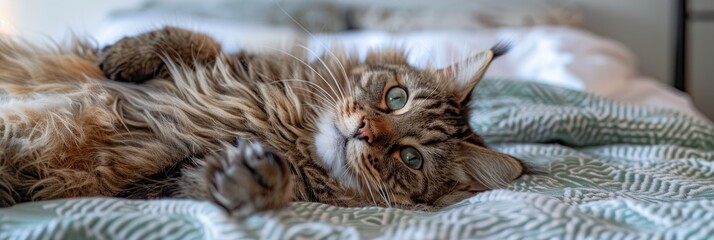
x=396 y=98
x=411 y=157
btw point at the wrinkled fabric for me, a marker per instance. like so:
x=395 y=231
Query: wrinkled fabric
x=598 y=169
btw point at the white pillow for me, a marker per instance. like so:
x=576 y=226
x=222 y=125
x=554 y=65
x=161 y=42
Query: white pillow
x=561 y=56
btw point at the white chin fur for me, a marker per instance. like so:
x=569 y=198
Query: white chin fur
x=330 y=145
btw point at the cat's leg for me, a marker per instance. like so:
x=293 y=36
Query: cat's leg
x=243 y=179
x=144 y=57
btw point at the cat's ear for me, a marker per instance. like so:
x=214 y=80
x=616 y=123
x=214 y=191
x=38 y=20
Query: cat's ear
x=484 y=168
x=467 y=73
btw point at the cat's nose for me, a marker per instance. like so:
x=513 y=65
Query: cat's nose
x=364 y=131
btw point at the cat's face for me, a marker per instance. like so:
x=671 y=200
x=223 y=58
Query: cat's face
x=401 y=135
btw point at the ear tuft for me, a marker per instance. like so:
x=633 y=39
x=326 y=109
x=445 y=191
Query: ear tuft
x=467 y=73
x=484 y=167
x=501 y=48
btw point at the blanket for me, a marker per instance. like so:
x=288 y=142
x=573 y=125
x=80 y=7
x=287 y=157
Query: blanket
x=597 y=169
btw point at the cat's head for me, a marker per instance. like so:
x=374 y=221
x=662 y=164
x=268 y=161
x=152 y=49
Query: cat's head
x=402 y=134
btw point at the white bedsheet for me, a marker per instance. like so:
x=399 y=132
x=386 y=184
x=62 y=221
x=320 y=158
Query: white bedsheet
x=561 y=56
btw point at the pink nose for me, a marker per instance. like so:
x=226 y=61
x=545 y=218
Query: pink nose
x=364 y=132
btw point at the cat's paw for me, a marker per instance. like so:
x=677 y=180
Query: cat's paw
x=131 y=59
x=141 y=58
x=248 y=178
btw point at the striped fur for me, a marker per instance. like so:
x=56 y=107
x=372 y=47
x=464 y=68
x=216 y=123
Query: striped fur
x=66 y=131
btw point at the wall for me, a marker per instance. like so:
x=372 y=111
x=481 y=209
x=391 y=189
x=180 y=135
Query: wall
x=645 y=26
x=7 y=17
x=701 y=73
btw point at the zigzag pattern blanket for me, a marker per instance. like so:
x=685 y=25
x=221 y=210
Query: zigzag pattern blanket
x=598 y=169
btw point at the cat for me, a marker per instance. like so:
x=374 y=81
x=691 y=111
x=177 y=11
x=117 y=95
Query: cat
x=168 y=114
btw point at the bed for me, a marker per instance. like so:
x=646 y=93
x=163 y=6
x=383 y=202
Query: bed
x=611 y=153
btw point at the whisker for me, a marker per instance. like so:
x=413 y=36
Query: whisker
x=317 y=107
x=344 y=72
x=318 y=87
x=334 y=79
x=367 y=181
x=321 y=100
x=382 y=192
x=307 y=65
x=386 y=192
x=390 y=195
x=370 y=175
x=369 y=189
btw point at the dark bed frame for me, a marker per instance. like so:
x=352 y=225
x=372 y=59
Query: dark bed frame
x=683 y=16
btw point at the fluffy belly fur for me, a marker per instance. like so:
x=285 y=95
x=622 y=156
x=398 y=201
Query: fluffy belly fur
x=62 y=128
x=67 y=131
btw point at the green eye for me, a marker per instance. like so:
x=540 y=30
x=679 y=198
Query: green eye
x=396 y=98
x=411 y=157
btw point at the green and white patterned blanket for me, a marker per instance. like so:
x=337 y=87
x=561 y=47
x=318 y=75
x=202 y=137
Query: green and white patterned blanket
x=600 y=169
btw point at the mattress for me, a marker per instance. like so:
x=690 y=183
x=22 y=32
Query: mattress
x=598 y=169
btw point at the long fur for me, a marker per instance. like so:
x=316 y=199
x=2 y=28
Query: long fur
x=67 y=131
x=94 y=136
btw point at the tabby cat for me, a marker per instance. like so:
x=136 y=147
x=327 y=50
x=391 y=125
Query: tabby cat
x=177 y=117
